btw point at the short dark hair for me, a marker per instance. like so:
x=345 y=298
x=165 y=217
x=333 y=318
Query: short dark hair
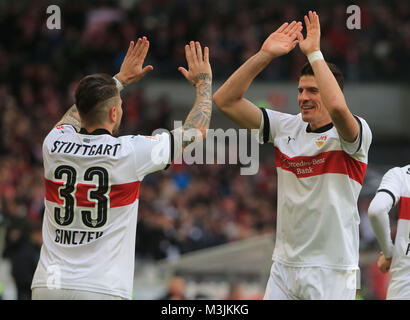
x=92 y=90
x=307 y=70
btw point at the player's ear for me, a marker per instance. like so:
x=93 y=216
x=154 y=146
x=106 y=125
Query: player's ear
x=112 y=114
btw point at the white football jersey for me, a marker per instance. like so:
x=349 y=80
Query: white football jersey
x=92 y=186
x=396 y=182
x=319 y=180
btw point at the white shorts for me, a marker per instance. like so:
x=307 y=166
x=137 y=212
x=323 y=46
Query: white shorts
x=310 y=283
x=68 y=294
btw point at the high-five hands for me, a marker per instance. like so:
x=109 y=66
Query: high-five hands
x=280 y=42
x=283 y=40
x=312 y=41
x=287 y=36
x=131 y=69
x=198 y=64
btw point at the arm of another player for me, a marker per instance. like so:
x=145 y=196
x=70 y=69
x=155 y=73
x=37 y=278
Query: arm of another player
x=229 y=98
x=131 y=71
x=199 y=74
x=330 y=92
x=379 y=218
x=386 y=197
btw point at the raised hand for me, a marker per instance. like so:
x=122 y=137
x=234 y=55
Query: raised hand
x=198 y=64
x=283 y=40
x=312 y=41
x=131 y=69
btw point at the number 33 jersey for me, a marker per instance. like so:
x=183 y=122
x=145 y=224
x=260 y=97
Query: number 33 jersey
x=92 y=186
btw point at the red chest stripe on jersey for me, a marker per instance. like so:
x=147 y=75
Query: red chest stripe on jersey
x=124 y=194
x=81 y=195
x=326 y=162
x=52 y=191
x=120 y=194
x=404 y=208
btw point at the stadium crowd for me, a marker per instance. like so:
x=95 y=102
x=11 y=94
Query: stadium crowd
x=184 y=208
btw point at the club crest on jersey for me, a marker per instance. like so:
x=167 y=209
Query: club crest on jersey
x=321 y=141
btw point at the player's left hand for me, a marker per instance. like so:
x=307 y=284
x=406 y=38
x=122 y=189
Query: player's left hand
x=384 y=263
x=199 y=68
x=312 y=41
x=131 y=69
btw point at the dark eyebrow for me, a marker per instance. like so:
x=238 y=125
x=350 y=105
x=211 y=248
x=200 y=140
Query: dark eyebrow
x=309 y=88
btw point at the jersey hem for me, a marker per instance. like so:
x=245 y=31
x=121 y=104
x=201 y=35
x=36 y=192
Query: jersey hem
x=316 y=265
x=87 y=288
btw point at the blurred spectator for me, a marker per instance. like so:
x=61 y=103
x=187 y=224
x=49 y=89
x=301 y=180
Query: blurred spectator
x=235 y=292
x=216 y=206
x=24 y=252
x=176 y=289
x=377 y=281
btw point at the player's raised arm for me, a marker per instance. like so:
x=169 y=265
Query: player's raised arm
x=199 y=74
x=229 y=98
x=131 y=71
x=330 y=92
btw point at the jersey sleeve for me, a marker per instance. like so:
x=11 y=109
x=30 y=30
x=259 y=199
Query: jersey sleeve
x=392 y=184
x=362 y=142
x=152 y=153
x=379 y=218
x=270 y=124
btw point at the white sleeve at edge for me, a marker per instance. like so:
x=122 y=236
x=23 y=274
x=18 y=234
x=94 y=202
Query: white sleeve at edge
x=379 y=218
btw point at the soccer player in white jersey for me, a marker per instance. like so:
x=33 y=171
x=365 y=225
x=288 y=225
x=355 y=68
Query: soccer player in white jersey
x=92 y=181
x=321 y=159
x=394 y=190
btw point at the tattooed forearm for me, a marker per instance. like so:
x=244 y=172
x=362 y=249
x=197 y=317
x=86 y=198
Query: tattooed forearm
x=71 y=117
x=202 y=76
x=200 y=115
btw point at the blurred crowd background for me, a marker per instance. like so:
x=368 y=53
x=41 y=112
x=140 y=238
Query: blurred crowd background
x=185 y=208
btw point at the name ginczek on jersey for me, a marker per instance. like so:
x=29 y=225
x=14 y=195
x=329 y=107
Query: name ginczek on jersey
x=84 y=149
x=73 y=237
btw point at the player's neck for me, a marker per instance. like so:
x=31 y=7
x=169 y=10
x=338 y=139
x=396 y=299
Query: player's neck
x=315 y=125
x=96 y=127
